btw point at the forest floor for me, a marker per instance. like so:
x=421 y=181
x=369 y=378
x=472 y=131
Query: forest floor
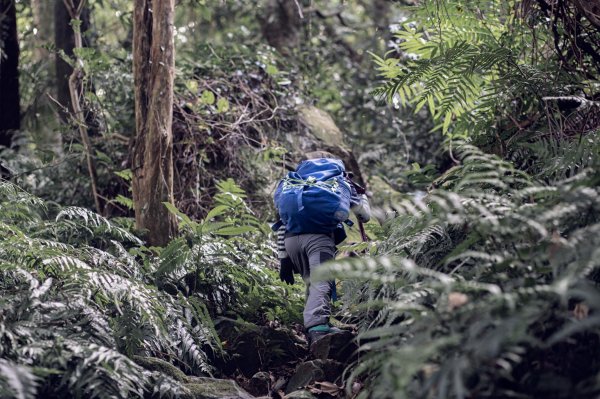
x=275 y=361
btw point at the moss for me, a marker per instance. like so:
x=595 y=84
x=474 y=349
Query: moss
x=211 y=388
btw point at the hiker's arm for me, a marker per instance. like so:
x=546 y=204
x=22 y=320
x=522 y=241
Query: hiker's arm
x=286 y=267
x=281 y=252
x=362 y=209
x=359 y=204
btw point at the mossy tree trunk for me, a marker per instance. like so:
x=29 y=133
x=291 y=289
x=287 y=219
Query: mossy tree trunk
x=152 y=157
x=10 y=114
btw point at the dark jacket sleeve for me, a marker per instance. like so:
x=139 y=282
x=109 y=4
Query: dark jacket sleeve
x=281 y=252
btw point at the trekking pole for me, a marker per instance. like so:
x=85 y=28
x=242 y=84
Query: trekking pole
x=363 y=234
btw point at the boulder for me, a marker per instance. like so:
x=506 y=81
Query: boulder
x=315 y=370
x=341 y=347
x=318 y=132
x=320 y=125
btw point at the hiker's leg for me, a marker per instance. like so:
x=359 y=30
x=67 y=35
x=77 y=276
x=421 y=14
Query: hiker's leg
x=319 y=249
x=297 y=253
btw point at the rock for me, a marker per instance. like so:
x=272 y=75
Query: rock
x=279 y=384
x=198 y=387
x=340 y=347
x=305 y=374
x=259 y=383
x=252 y=348
x=156 y=364
x=321 y=125
x=301 y=394
x=213 y=388
x=315 y=370
x=318 y=132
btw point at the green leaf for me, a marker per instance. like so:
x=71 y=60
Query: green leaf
x=222 y=105
x=103 y=157
x=207 y=97
x=127 y=202
x=125 y=174
x=447 y=120
x=175 y=255
x=185 y=219
x=272 y=70
x=235 y=230
x=216 y=211
x=209 y=227
x=192 y=85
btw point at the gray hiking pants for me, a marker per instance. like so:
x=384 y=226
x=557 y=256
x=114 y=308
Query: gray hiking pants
x=307 y=252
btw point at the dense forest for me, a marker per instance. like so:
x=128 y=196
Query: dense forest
x=141 y=143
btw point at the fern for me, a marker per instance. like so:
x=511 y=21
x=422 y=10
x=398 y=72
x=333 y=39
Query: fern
x=473 y=64
x=94 y=301
x=95 y=224
x=17 y=381
x=472 y=282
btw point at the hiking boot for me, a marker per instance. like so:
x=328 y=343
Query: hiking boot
x=318 y=332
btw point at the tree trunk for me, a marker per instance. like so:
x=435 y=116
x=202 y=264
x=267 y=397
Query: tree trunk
x=43 y=20
x=10 y=113
x=282 y=25
x=152 y=158
x=47 y=135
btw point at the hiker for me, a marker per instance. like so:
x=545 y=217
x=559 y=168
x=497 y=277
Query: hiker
x=311 y=227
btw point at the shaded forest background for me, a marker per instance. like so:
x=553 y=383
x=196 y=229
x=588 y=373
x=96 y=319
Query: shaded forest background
x=139 y=147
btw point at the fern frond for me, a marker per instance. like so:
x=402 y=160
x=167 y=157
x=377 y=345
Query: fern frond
x=100 y=224
x=17 y=381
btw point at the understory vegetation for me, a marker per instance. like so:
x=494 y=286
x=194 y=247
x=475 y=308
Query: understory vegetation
x=83 y=298
x=475 y=126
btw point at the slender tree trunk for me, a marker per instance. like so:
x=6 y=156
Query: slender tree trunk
x=74 y=9
x=10 y=113
x=152 y=158
x=64 y=40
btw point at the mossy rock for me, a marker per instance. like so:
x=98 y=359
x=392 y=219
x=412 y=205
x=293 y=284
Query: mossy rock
x=156 y=364
x=212 y=388
x=321 y=125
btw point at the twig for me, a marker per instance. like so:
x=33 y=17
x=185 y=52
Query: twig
x=49 y=165
x=299 y=9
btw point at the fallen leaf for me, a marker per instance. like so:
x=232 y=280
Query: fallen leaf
x=325 y=387
x=581 y=311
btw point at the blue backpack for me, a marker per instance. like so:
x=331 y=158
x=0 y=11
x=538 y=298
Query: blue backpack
x=315 y=198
